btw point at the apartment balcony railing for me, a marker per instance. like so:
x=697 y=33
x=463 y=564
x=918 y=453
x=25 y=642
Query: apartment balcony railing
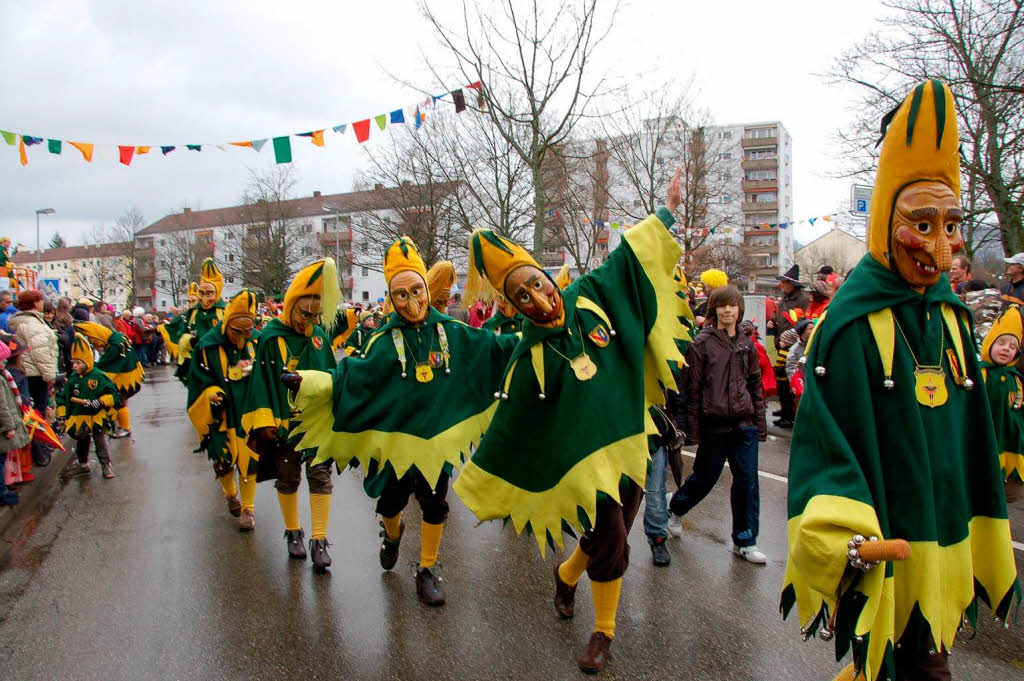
x=759 y=163
x=749 y=142
x=761 y=207
x=759 y=185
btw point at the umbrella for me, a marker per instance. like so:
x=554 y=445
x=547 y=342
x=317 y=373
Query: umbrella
x=41 y=431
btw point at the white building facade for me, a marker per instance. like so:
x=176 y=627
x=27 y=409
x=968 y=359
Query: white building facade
x=97 y=272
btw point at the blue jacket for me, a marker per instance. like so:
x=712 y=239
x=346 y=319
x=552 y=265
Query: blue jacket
x=6 y=315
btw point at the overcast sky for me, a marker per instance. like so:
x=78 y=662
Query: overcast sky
x=124 y=72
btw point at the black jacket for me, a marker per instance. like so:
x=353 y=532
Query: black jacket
x=723 y=385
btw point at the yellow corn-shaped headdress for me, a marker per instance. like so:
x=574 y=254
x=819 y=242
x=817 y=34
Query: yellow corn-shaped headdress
x=491 y=259
x=81 y=350
x=403 y=256
x=316 y=279
x=93 y=332
x=242 y=305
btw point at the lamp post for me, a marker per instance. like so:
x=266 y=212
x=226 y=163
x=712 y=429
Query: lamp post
x=39 y=259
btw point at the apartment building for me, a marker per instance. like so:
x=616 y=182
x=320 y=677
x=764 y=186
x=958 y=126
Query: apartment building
x=97 y=272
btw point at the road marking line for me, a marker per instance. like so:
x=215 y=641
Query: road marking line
x=778 y=478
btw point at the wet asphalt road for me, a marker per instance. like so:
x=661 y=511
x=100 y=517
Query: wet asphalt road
x=147 y=577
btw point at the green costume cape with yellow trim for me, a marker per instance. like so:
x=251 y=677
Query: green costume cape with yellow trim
x=220 y=367
x=871 y=460
x=502 y=325
x=121 y=365
x=557 y=443
x=191 y=326
x=367 y=411
x=281 y=349
x=92 y=385
x=1005 y=387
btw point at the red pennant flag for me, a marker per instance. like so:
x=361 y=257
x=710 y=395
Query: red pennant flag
x=474 y=86
x=362 y=130
x=126 y=154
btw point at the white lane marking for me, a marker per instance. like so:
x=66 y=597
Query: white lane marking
x=778 y=478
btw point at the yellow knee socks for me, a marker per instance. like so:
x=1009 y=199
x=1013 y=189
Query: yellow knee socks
x=227 y=483
x=606 y=604
x=572 y=569
x=319 y=513
x=430 y=544
x=124 y=418
x=392 y=526
x=247 y=485
x=289 y=510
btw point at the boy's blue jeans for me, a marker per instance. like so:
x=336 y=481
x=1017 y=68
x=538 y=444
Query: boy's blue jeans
x=655 y=502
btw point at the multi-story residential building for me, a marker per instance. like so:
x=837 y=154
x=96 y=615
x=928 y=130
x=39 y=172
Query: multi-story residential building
x=169 y=251
x=97 y=272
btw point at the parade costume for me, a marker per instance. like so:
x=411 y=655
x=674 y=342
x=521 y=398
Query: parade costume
x=408 y=412
x=186 y=329
x=1005 y=386
x=218 y=380
x=356 y=342
x=268 y=416
x=440 y=280
x=118 y=361
x=176 y=327
x=894 y=438
x=567 y=447
x=88 y=408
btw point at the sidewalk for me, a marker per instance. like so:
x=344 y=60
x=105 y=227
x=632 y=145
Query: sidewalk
x=36 y=498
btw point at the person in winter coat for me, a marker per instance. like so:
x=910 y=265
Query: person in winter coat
x=7 y=309
x=42 y=357
x=725 y=417
x=768 y=385
x=821 y=296
x=13 y=435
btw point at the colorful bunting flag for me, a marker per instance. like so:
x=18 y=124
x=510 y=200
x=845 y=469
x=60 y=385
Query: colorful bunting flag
x=126 y=153
x=340 y=129
x=9 y=137
x=258 y=144
x=54 y=146
x=21 y=151
x=419 y=120
x=382 y=121
x=459 y=97
x=283 y=149
x=194 y=147
x=242 y=144
x=362 y=130
x=85 y=148
x=166 y=150
x=29 y=140
x=397 y=116
x=142 y=150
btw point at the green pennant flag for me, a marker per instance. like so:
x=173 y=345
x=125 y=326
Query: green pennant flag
x=382 y=120
x=54 y=146
x=9 y=137
x=283 y=149
x=615 y=225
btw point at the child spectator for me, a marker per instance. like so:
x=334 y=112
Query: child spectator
x=1005 y=386
x=13 y=435
x=725 y=417
x=768 y=385
x=88 y=406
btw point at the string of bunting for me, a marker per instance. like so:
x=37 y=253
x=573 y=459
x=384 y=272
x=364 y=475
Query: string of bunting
x=281 y=144
x=703 y=231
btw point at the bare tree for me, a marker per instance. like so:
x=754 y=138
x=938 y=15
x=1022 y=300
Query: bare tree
x=576 y=181
x=732 y=259
x=180 y=259
x=101 y=270
x=272 y=242
x=977 y=47
x=125 y=228
x=535 y=75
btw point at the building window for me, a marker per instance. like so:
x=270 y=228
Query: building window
x=755 y=175
x=759 y=133
x=727 y=135
x=366 y=296
x=231 y=257
x=162 y=242
x=365 y=272
x=231 y=280
x=163 y=303
x=306 y=250
x=727 y=198
x=762 y=197
x=760 y=154
x=727 y=155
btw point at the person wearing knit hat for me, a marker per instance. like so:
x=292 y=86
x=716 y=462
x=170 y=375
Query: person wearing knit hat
x=1004 y=383
x=409 y=410
x=791 y=308
x=186 y=329
x=117 y=359
x=365 y=327
x=218 y=379
x=568 y=444
x=87 y=410
x=894 y=439
x=821 y=295
x=295 y=340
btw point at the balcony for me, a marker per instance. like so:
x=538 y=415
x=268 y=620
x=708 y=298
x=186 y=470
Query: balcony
x=344 y=238
x=749 y=231
x=749 y=142
x=144 y=272
x=761 y=207
x=760 y=185
x=759 y=163
x=553 y=259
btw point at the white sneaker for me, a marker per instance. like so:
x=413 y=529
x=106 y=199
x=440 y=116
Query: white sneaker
x=751 y=554
x=675 y=525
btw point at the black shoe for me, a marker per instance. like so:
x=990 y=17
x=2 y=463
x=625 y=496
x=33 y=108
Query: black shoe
x=318 y=550
x=428 y=588
x=783 y=423
x=389 y=548
x=565 y=597
x=296 y=545
x=777 y=412
x=659 y=552
x=40 y=457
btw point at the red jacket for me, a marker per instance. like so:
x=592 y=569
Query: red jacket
x=127 y=329
x=768 y=384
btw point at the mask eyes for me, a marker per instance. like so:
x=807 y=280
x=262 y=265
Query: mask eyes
x=525 y=298
x=951 y=228
x=400 y=296
x=538 y=285
x=924 y=228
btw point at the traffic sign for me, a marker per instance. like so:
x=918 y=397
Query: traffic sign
x=860 y=199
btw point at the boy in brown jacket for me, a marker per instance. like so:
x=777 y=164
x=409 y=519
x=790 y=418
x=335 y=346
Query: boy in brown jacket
x=725 y=418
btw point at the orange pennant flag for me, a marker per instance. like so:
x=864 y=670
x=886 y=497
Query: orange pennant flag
x=141 y=150
x=827 y=217
x=242 y=144
x=21 y=151
x=85 y=148
x=318 y=137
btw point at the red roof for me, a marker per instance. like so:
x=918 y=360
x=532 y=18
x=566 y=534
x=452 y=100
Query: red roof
x=379 y=198
x=75 y=252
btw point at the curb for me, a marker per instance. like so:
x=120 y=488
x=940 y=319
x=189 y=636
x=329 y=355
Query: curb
x=36 y=500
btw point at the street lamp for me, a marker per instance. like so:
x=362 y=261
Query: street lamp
x=39 y=259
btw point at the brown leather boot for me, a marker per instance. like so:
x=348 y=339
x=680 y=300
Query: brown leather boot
x=246 y=522
x=596 y=654
x=565 y=598
x=234 y=506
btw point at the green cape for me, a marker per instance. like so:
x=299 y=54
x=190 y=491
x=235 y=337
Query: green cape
x=92 y=385
x=557 y=443
x=121 y=365
x=194 y=322
x=220 y=432
x=1005 y=387
x=502 y=325
x=367 y=411
x=874 y=461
